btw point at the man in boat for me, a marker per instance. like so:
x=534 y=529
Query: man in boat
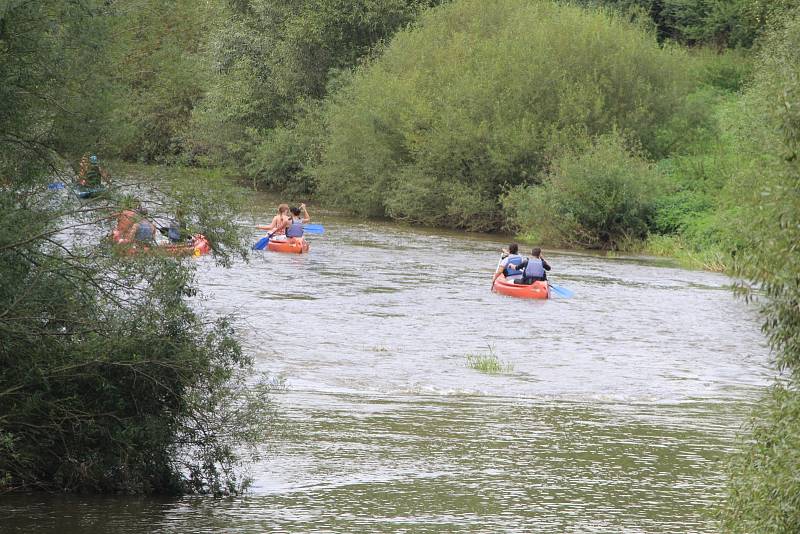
x=533 y=269
x=509 y=265
x=91 y=174
x=176 y=231
x=295 y=229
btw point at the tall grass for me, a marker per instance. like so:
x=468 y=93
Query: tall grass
x=488 y=363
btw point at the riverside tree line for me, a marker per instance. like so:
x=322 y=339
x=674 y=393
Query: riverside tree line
x=667 y=126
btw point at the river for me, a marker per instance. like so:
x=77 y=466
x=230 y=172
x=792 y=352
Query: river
x=617 y=411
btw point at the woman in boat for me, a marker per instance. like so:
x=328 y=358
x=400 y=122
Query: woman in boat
x=295 y=229
x=281 y=221
x=509 y=265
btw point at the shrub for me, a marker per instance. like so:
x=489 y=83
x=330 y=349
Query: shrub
x=600 y=198
x=764 y=487
x=479 y=95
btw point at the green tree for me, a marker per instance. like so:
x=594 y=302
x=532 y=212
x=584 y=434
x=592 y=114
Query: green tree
x=764 y=490
x=159 y=73
x=479 y=96
x=274 y=62
x=600 y=197
x=110 y=380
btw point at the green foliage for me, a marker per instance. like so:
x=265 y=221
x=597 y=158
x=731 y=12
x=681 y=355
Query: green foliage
x=728 y=23
x=488 y=363
x=764 y=487
x=110 y=380
x=674 y=212
x=39 y=81
x=160 y=75
x=602 y=197
x=479 y=96
x=728 y=70
x=282 y=162
x=764 y=492
x=274 y=58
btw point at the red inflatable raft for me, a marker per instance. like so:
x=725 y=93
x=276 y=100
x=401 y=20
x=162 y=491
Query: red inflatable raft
x=537 y=290
x=293 y=245
x=198 y=246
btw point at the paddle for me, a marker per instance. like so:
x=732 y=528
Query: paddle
x=261 y=244
x=562 y=291
x=313 y=228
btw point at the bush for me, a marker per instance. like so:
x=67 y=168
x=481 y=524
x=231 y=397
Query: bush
x=764 y=490
x=478 y=97
x=111 y=381
x=282 y=161
x=600 y=198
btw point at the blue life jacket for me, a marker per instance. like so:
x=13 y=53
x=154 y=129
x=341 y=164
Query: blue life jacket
x=535 y=268
x=144 y=232
x=295 y=229
x=513 y=262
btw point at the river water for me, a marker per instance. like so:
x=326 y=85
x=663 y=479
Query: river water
x=616 y=412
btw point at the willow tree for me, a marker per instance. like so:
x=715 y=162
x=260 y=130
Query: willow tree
x=764 y=488
x=110 y=379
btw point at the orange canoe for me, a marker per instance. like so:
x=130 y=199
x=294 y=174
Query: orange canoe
x=198 y=246
x=537 y=290
x=294 y=245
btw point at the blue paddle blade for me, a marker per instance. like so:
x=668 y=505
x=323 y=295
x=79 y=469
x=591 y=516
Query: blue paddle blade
x=261 y=244
x=562 y=291
x=313 y=228
x=55 y=186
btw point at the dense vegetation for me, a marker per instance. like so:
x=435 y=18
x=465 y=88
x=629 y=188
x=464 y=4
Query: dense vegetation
x=110 y=380
x=765 y=488
x=479 y=97
x=662 y=125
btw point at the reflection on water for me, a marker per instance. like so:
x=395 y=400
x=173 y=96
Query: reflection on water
x=618 y=413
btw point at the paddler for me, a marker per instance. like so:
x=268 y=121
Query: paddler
x=279 y=224
x=534 y=269
x=295 y=229
x=509 y=265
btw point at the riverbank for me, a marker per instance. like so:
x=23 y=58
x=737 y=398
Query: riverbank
x=228 y=180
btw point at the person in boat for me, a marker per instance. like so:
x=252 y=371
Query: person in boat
x=295 y=229
x=281 y=221
x=142 y=231
x=90 y=173
x=533 y=269
x=125 y=220
x=176 y=231
x=509 y=265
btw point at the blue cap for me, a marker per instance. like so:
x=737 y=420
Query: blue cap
x=93 y=158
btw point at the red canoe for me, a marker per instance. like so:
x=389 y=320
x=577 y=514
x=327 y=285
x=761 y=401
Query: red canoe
x=293 y=245
x=198 y=246
x=537 y=290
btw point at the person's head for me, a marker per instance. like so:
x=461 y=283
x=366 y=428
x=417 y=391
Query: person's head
x=536 y=252
x=295 y=211
x=93 y=159
x=283 y=209
x=513 y=248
